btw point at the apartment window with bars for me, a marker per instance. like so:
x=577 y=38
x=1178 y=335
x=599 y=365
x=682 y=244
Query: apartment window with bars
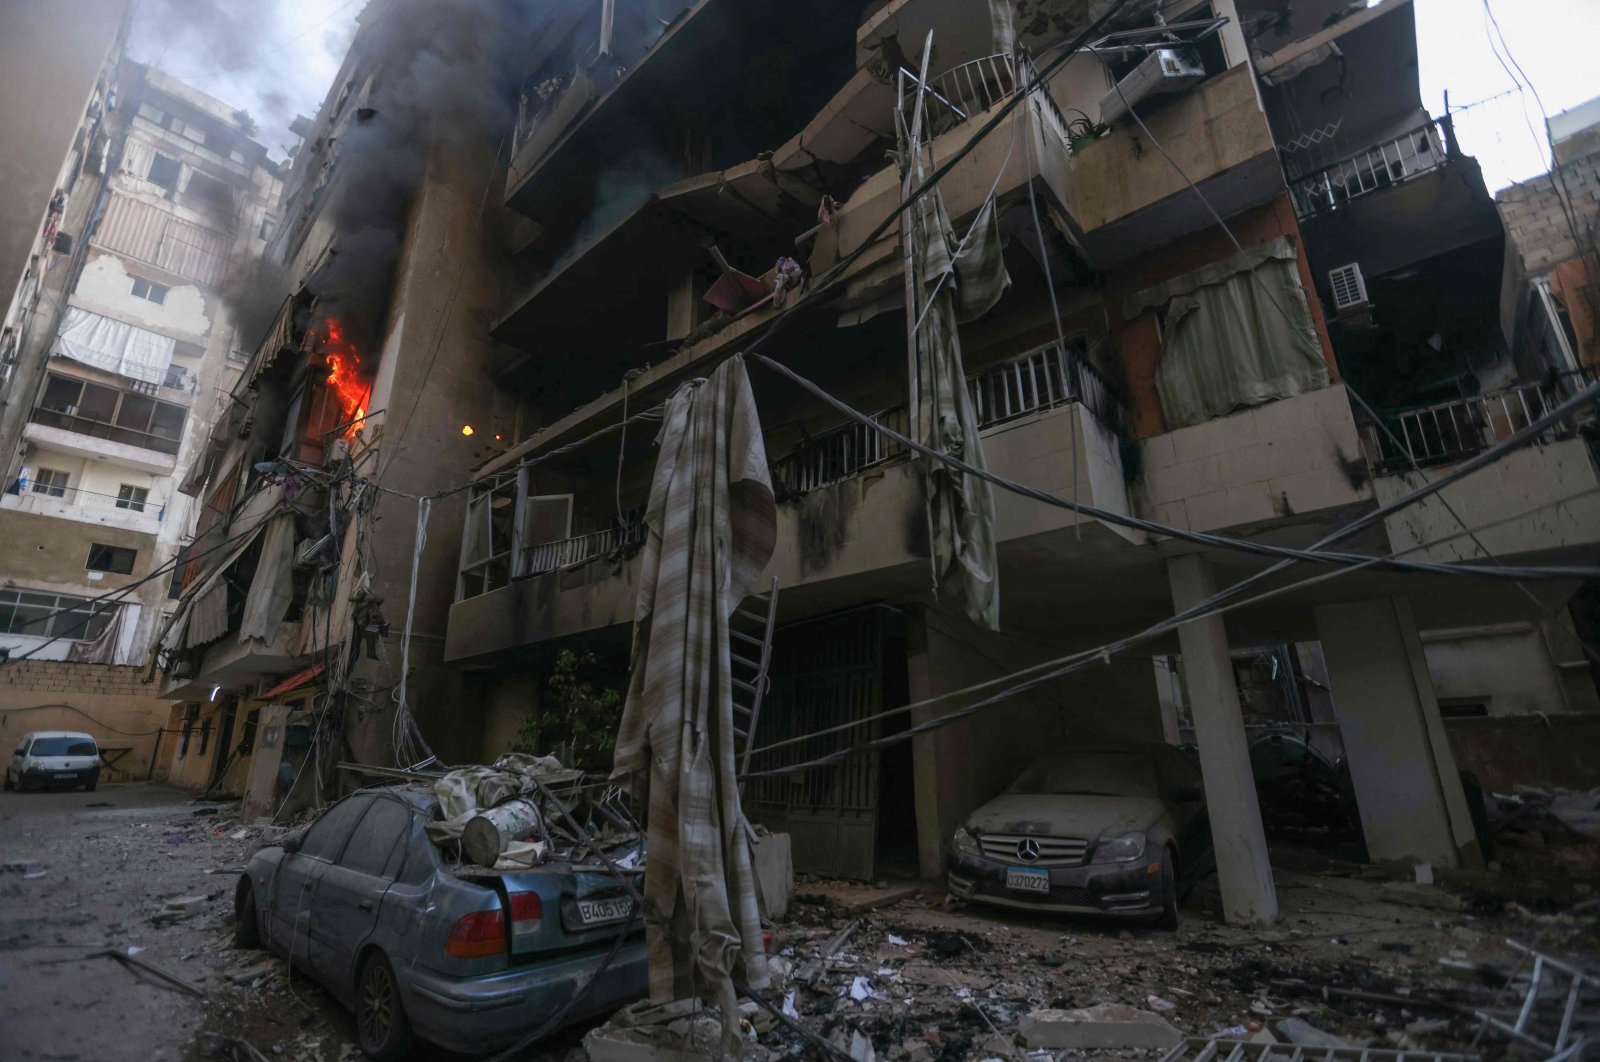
x=51 y=483
x=44 y=615
x=132 y=498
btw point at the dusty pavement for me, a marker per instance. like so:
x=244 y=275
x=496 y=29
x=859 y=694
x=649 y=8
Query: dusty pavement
x=142 y=865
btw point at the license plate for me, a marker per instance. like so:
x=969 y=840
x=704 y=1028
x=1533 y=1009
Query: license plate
x=70 y=774
x=1028 y=879
x=600 y=912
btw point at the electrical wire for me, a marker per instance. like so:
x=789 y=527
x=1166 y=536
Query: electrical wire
x=105 y=726
x=1058 y=661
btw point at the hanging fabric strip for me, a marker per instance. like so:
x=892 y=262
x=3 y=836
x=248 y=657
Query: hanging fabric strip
x=712 y=525
x=115 y=347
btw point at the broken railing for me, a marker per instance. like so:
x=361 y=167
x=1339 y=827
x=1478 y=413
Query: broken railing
x=973 y=87
x=1042 y=378
x=1447 y=432
x=1382 y=165
x=569 y=552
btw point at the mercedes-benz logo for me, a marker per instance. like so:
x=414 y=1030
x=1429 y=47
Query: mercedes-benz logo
x=1027 y=850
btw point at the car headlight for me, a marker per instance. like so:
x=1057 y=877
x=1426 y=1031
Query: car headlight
x=964 y=844
x=1122 y=849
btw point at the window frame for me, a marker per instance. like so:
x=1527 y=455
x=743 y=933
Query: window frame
x=132 y=497
x=157 y=160
x=120 y=397
x=52 y=489
x=111 y=554
x=61 y=612
x=154 y=293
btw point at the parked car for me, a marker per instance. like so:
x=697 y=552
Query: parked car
x=51 y=758
x=466 y=958
x=1119 y=831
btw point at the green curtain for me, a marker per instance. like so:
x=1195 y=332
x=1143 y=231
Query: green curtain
x=1237 y=333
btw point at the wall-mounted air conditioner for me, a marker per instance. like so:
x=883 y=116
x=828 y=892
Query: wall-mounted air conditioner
x=1349 y=288
x=1163 y=70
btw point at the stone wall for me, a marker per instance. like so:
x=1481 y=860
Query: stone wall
x=112 y=703
x=1536 y=225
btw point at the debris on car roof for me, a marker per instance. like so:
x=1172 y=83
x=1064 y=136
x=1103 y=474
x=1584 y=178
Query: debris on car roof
x=524 y=811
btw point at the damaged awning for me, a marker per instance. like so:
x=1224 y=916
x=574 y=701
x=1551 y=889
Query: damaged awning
x=279 y=338
x=202 y=617
x=294 y=681
x=136 y=353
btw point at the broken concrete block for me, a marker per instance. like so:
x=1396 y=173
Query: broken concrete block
x=1107 y=1025
x=1303 y=1033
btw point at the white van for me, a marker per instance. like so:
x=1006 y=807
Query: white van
x=50 y=758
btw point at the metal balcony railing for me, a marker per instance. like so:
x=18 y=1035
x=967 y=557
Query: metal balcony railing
x=1447 y=432
x=963 y=91
x=568 y=552
x=1042 y=378
x=1383 y=165
x=838 y=454
x=56 y=418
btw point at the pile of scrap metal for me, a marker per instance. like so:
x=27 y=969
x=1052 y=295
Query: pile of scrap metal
x=526 y=811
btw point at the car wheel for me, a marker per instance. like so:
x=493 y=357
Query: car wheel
x=246 y=924
x=382 y=1028
x=88 y=787
x=1168 y=919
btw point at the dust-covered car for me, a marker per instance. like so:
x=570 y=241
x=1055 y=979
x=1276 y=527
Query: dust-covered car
x=1116 y=831
x=467 y=958
x=49 y=759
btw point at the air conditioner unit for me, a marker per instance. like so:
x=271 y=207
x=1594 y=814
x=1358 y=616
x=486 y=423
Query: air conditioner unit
x=1349 y=288
x=1163 y=70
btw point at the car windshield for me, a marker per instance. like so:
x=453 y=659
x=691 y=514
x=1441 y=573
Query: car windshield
x=1129 y=774
x=62 y=746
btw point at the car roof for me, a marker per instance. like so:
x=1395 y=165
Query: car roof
x=60 y=733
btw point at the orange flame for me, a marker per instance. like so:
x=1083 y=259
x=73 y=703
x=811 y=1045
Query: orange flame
x=349 y=387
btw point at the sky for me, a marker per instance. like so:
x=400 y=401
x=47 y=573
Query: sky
x=276 y=59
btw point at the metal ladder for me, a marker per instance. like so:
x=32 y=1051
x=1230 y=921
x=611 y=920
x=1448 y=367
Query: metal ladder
x=1569 y=1040
x=750 y=628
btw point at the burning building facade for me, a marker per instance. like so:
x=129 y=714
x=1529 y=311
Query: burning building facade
x=367 y=387
x=1175 y=335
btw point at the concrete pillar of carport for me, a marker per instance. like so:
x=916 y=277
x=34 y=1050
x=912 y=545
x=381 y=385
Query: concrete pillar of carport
x=1407 y=786
x=1243 y=868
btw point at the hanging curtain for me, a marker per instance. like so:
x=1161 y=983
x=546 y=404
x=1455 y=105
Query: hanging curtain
x=1237 y=333
x=272 y=588
x=115 y=347
x=951 y=281
x=712 y=526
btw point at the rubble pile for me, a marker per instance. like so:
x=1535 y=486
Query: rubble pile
x=1355 y=962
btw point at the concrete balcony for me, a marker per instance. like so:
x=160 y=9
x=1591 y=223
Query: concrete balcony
x=860 y=536
x=1128 y=199
x=53 y=430
x=234 y=661
x=88 y=507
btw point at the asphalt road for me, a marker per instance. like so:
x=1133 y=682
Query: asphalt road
x=87 y=871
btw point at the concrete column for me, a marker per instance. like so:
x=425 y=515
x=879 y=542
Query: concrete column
x=1407 y=787
x=1243 y=869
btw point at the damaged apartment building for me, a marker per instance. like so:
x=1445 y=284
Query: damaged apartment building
x=116 y=349
x=433 y=479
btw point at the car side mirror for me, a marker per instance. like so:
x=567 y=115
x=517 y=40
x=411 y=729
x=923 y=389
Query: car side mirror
x=1189 y=796
x=291 y=843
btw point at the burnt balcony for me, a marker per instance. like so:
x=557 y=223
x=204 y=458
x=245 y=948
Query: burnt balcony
x=1372 y=169
x=1446 y=433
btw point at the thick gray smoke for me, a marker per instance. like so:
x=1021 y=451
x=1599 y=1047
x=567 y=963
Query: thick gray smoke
x=443 y=87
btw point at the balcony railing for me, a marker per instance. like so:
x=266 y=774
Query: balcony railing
x=963 y=91
x=1034 y=380
x=55 y=418
x=1448 y=432
x=568 y=552
x=1421 y=150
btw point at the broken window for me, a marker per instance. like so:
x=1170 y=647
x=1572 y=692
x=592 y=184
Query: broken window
x=269 y=225
x=165 y=172
x=114 y=560
x=150 y=291
x=208 y=188
x=487 y=545
x=1234 y=334
x=132 y=498
x=51 y=483
x=44 y=615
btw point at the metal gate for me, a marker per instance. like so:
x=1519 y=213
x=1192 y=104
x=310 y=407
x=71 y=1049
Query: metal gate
x=824 y=673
